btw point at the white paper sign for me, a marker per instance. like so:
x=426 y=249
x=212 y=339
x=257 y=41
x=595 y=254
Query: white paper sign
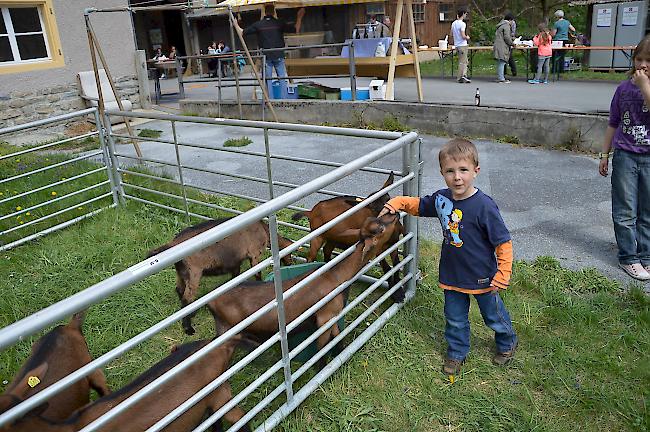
x=630 y=15
x=604 y=18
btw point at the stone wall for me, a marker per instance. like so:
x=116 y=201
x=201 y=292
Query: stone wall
x=545 y=128
x=24 y=106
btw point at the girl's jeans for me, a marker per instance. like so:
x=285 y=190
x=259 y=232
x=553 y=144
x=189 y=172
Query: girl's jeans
x=501 y=65
x=631 y=206
x=494 y=314
x=542 y=62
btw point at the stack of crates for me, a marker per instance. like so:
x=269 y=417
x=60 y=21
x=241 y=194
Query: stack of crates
x=312 y=90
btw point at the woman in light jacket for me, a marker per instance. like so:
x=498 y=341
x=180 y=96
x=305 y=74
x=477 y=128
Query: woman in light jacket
x=503 y=45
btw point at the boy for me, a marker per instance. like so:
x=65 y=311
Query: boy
x=476 y=256
x=459 y=33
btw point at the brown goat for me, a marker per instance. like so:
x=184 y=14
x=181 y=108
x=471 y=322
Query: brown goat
x=156 y=405
x=55 y=355
x=234 y=306
x=339 y=234
x=223 y=257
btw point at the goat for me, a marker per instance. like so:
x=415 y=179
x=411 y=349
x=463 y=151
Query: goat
x=55 y=355
x=156 y=405
x=235 y=305
x=338 y=235
x=222 y=257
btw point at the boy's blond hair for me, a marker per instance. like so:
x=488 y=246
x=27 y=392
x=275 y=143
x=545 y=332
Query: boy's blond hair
x=458 y=149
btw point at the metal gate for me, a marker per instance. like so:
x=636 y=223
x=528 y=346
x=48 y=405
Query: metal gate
x=408 y=145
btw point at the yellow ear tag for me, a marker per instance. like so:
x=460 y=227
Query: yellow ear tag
x=359 y=199
x=452 y=379
x=33 y=381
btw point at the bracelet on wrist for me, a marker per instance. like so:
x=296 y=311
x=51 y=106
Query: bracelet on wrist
x=602 y=155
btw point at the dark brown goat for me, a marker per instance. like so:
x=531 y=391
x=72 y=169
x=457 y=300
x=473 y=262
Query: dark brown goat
x=54 y=356
x=242 y=301
x=156 y=405
x=223 y=257
x=339 y=234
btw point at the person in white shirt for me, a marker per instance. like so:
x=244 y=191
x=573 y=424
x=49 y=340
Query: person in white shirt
x=458 y=31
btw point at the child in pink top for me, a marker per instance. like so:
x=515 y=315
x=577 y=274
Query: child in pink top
x=544 y=53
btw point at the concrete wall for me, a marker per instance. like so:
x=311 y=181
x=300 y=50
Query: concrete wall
x=550 y=129
x=27 y=96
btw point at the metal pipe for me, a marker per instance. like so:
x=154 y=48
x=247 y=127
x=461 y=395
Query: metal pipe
x=163 y=206
x=49 y=167
x=49 y=120
x=360 y=133
x=180 y=172
x=52 y=229
x=235 y=67
x=412 y=221
x=149 y=176
x=115 y=164
x=353 y=71
x=44 y=146
x=48 y=186
x=106 y=159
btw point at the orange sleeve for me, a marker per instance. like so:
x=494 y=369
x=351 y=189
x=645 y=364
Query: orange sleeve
x=501 y=279
x=410 y=205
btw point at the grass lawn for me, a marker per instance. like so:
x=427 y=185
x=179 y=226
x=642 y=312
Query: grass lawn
x=483 y=64
x=582 y=362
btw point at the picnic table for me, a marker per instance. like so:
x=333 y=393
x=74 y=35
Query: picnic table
x=448 y=53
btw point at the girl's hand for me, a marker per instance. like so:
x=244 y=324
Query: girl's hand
x=641 y=78
x=603 y=167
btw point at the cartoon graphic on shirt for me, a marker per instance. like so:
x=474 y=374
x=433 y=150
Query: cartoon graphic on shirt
x=456 y=217
x=449 y=219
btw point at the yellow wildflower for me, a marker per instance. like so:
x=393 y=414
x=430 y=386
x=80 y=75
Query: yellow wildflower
x=19 y=208
x=53 y=193
x=28 y=214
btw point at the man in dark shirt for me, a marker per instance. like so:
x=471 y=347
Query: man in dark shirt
x=270 y=34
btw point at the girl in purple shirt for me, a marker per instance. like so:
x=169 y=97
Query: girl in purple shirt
x=628 y=134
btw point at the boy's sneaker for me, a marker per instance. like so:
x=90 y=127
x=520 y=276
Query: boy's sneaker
x=533 y=81
x=504 y=81
x=636 y=270
x=452 y=366
x=503 y=358
x=464 y=80
x=545 y=82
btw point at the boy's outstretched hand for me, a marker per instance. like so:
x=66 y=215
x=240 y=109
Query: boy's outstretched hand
x=386 y=210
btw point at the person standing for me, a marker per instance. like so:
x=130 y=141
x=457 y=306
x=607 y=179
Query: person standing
x=459 y=33
x=628 y=133
x=560 y=32
x=270 y=34
x=544 y=53
x=511 y=60
x=503 y=46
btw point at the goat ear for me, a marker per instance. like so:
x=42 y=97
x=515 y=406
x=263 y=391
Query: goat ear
x=30 y=379
x=390 y=179
x=368 y=246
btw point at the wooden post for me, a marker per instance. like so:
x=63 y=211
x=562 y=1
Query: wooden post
x=95 y=42
x=255 y=72
x=390 y=85
x=414 y=48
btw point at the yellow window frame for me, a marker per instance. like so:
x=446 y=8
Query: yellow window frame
x=53 y=39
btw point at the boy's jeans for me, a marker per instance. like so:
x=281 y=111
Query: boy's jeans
x=631 y=215
x=278 y=65
x=494 y=314
x=501 y=65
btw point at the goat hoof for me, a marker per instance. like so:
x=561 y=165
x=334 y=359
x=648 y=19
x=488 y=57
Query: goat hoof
x=189 y=331
x=398 y=296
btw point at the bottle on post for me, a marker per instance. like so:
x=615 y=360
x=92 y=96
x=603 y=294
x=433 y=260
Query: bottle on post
x=477 y=98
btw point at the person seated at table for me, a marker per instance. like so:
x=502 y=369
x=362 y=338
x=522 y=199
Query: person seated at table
x=212 y=63
x=222 y=48
x=387 y=26
x=160 y=57
x=172 y=53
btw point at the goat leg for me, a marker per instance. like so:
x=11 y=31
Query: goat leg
x=327 y=250
x=314 y=246
x=97 y=381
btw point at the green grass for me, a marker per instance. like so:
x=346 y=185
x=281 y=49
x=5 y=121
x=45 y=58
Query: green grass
x=237 y=142
x=581 y=364
x=484 y=65
x=149 y=133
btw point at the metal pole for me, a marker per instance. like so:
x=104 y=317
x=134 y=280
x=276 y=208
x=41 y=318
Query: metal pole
x=235 y=69
x=264 y=81
x=218 y=86
x=412 y=221
x=353 y=71
x=114 y=162
x=107 y=160
x=180 y=173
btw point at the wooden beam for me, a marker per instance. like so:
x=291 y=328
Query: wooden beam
x=390 y=85
x=414 y=48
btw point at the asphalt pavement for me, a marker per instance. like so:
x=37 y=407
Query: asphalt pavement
x=553 y=202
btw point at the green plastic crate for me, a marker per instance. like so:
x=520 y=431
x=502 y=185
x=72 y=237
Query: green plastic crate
x=332 y=95
x=296 y=338
x=307 y=91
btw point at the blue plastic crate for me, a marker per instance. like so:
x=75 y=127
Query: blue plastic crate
x=363 y=93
